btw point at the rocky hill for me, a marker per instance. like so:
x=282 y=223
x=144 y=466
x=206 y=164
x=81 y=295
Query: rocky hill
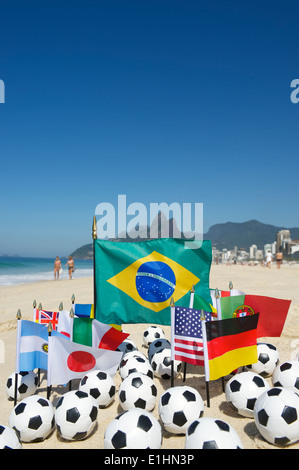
x=226 y=235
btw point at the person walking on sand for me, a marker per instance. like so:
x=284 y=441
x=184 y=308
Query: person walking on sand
x=71 y=266
x=279 y=257
x=57 y=267
x=268 y=259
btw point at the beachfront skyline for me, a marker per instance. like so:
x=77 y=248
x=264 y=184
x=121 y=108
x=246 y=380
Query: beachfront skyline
x=165 y=101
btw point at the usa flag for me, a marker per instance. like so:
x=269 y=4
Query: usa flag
x=187 y=342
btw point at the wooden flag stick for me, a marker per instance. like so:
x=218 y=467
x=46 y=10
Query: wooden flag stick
x=94 y=237
x=190 y=306
x=71 y=337
x=172 y=342
x=38 y=370
x=49 y=387
x=19 y=316
x=206 y=356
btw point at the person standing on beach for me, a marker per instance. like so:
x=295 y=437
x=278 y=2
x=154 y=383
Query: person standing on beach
x=57 y=267
x=71 y=266
x=268 y=259
x=279 y=257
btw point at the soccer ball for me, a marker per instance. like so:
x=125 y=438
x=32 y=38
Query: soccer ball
x=26 y=385
x=133 y=429
x=179 y=407
x=287 y=375
x=135 y=364
x=242 y=390
x=9 y=438
x=151 y=334
x=138 y=391
x=100 y=386
x=126 y=346
x=161 y=364
x=76 y=413
x=268 y=358
x=156 y=346
x=33 y=419
x=276 y=415
x=210 y=433
x=136 y=353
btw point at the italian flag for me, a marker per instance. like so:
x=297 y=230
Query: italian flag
x=91 y=332
x=272 y=311
x=68 y=360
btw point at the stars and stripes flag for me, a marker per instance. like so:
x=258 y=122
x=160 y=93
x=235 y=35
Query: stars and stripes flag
x=186 y=341
x=45 y=317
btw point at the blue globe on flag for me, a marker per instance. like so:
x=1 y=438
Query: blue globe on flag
x=155 y=281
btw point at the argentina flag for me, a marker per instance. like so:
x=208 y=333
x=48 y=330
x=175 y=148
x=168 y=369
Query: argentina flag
x=32 y=346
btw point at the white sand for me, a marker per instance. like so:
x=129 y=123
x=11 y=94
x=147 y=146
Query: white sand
x=281 y=283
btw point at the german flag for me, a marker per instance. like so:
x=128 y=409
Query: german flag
x=230 y=344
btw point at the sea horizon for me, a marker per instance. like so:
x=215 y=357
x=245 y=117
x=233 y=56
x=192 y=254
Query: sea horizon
x=25 y=269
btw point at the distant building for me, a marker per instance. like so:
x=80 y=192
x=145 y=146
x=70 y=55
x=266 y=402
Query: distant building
x=252 y=251
x=282 y=238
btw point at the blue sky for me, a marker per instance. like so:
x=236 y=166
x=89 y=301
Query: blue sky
x=163 y=101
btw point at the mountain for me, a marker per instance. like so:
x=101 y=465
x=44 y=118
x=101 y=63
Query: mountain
x=245 y=234
x=226 y=235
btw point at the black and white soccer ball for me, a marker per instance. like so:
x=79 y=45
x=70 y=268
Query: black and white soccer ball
x=268 y=359
x=137 y=391
x=179 y=407
x=9 y=438
x=287 y=375
x=242 y=391
x=161 y=364
x=126 y=346
x=100 y=386
x=135 y=364
x=151 y=334
x=76 y=415
x=27 y=383
x=156 y=346
x=210 y=433
x=136 y=353
x=133 y=429
x=33 y=419
x=276 y=415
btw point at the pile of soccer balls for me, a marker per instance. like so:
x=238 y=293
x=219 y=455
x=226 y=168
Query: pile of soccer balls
x=273 y=407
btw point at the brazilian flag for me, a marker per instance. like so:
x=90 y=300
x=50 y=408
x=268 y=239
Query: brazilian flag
x=135 y=281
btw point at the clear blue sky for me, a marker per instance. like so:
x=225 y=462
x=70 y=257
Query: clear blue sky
x=161 y=100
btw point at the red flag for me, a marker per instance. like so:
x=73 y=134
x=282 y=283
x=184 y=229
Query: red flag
x=273 y=313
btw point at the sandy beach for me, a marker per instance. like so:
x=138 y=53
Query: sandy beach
x=281 y=283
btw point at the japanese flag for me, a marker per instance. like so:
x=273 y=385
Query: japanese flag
x=68 y=360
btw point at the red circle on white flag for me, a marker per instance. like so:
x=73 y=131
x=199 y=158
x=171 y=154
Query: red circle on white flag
x=81 y=361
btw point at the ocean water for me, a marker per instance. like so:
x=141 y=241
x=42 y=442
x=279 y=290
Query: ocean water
x=24 y=270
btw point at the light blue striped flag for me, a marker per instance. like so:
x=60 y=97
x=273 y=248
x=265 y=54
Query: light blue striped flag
x=32 y=346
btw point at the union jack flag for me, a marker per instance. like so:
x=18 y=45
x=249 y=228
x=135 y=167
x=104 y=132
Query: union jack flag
x=44 y=317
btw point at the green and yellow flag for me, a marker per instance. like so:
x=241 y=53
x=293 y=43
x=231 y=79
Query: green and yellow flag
x=135 y=281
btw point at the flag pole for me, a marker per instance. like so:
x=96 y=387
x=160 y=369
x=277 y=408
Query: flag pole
x=19 y=316
x=206 y=357
x=71 y=336
x=49 y=387
x=94 y=237
x=190 y=306
x=172 y=340
x=218 y=306
x=38 y=370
